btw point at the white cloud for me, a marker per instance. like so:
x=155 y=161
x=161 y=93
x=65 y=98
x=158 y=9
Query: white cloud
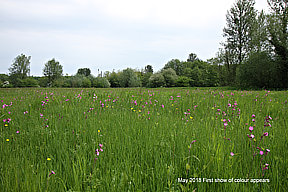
x=110 y=34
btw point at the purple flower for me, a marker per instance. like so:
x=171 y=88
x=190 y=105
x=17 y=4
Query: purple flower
x=192 y=142
x=265 y=134
x=225 y=124
x=253 y=116
x=232 y=154
x=52 y=173
x=253 y=120
x=251 y=129
x=101 y=145
x=261 y=152
x=252 y=136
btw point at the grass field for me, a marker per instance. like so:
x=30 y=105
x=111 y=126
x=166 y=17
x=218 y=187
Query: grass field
x=143 y=140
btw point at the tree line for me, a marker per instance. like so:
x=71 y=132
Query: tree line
x=253 y=55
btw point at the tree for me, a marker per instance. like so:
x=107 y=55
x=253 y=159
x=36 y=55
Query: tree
x=128 y=78
x=53 y=70
x=20 y=67
x=257 y=72
x=148 y=69
x=238 y=33
x=192 y=57
x=170 y=77
x=277 y=27
x=84 y=71
x=113 y=79
x=156 y=80
x=176 y=65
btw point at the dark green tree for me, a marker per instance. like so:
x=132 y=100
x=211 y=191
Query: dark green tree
x=84 y=71
x=170 y=77
x=53 y=71
x=156 y=80
x=277 y=27
x=128 y=78
x=176 y=65
x=20 y=69
x=192 y=57
x=238 y=33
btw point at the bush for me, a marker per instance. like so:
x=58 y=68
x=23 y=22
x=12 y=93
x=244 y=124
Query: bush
x=183 y=81
x=156 y=80
x=100 y=82
x=30 y=82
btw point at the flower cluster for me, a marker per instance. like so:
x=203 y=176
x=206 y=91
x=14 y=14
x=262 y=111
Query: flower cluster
x=97 y=151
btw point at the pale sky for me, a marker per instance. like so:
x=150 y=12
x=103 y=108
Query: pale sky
x=110 y=34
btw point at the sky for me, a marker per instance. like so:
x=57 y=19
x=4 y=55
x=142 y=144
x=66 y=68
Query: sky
x=110 y=34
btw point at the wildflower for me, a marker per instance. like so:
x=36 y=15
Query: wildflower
x=266 y=166
x=48 y=159
x=267 y=151
x=101 y=145
x=225 y=124
x=229 y=105
x=98 y=131
x=7 y=140
x=252 y=136
x=52 y=173
x=253 y=116
x=253 y=120
x=193 y=141
x=6 y=125
x=67 y=100
x=17 y=132
x=232 y=154
x=97 y=152
x=251 y=129
x=261 y=152
x=265 y=134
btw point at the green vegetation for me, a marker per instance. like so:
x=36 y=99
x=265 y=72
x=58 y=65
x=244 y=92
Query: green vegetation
x=143 y=140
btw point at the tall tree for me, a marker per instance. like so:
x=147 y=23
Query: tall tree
x=84 y=71
x=192 y=57
x=277 y=27
x=53 y=70
x=20 y=67
x=238 y=33
x=148 y=69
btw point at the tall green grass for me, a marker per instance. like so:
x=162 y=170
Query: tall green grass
x=147 y=139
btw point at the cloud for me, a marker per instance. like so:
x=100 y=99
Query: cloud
x=109 y=34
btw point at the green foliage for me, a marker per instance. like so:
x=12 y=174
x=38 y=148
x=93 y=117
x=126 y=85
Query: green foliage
x=30 y=82
x=128 y=78
x=114 y=79
x=156 y=80
x=20 y=67
x=258 y=72
x=84 y=71
x=170 y=77
x=100 y=82
x=176 y=65
x=183 y=81
x=52 y=70
x=86 y=82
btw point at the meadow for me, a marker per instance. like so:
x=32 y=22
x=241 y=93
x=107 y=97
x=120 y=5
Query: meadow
x=192 y=139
